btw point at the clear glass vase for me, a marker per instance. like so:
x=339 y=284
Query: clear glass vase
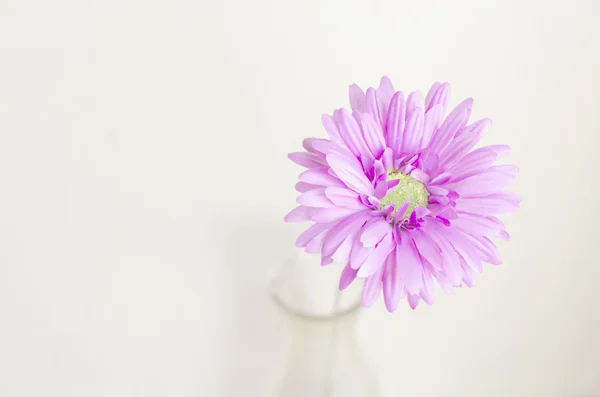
x=324 y=359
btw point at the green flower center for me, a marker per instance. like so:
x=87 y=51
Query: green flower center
x=409 y=189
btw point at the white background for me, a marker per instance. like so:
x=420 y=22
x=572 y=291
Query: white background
x=144 y=179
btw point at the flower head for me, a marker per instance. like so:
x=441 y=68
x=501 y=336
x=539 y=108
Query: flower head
x=400 y=197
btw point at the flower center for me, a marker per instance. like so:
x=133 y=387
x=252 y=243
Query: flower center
x=409 y=189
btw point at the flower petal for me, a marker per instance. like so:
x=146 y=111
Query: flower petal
x=299 y=214
x=485 y=248
x=376 y=259
x=456 y=120
x=357 y=98
x=315 y=198
x=372 y=288
x=476 y=162
x=349 y=226
x=432 y=121
x=348 y=276
x=409 y=266
x=463 y=143
x=427 y=292
x=413 y=130
x=305 y=187
x=478 y=225
x=351 y=134
x=320 y=176
x=413 y=301
x=372 y=106
x=310 y=233
x=394 y=125
x=326 y=215
x=332 y=130
x=343 y=197
x=342 y=254
x=485 y=206
x=353 y=177
x=482 y=184
x=308 y=160
x=393 y=290
x=359 y=253
x=384 y=94
x=375 y=232
x=373 y=134
x=440 y=95
x=427 y=248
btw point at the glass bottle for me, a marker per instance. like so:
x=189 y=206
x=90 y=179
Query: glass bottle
x=324 y=359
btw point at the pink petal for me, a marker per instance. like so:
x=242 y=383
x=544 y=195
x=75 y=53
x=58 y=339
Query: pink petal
x=376 y=259
x=413 y=301
x=373 y=135
x=348 y=276
x=310 y=233
x=332 y=130
x=427 y=292
x=409 y=266
x=385 y=92
x=352 y=134
x=468 y=277
x=299 y=214
x=466 y=250
x=441 y=96
x=395 y=122
x=339 y=232
x=430 y=94
x=486 y=249
x=315 y=245
x=419 y=175
x=402 y=211
x=375 y=232
x=315 y=198
x=413 y=130
x=441 y=179
x=343 y=197
x=320 y=176
x=432 y=120
x=354 y=178
x=481 y=184
x=325 y=260
x=451 y=260
x=307 y=143
x=453 y=123
x=326 y=215
x=507 y=169
x=463 y=143
x=478 y=225
x=428 y=248
x=392 y=287
x=325 y=147
x=387 y=158
x=357 y=98
x=372 y=288
x=372 y=106
x=359 y=254
x=485 y=206
x=437 y=191
x=503 y=235
x=305 y=187
x=342 y=254
x=476 y=162
x=308 y=160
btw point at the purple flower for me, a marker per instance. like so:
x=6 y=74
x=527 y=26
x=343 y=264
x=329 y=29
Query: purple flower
x=398 y=195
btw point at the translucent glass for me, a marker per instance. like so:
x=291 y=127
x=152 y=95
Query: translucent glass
x=324 y=359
